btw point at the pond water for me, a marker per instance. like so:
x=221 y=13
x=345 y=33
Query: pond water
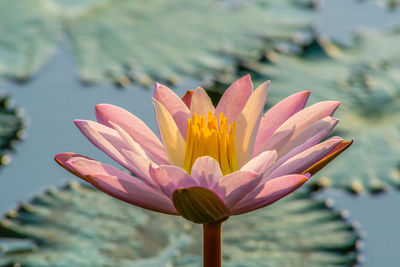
x=55 y=97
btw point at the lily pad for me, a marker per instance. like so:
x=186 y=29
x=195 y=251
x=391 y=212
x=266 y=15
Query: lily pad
x=80 y=226
x=392 y=4
x=365 y=77
x=125 y=40
x=30 y=33
x=11 y=128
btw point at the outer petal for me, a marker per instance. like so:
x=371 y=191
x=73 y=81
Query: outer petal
x=137 y=129
x=116 y=183
x=299 y=122
x=261 y=163
x=277 y=115
x=247 y=123
x=170 y=178
x=175 y=106
x=316 y=167
x=206 y=171
x=136 y=155
x=141 y=164
x=303 y=160
x=235 y=98
x=235 y=186
x=310 y=136
x=270 y=192
x=201 y=103
x=106 y=139
x=173 y=141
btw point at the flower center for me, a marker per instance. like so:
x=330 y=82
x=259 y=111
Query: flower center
x=205 y=138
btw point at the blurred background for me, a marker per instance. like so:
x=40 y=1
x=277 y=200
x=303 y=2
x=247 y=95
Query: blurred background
x=59 y=58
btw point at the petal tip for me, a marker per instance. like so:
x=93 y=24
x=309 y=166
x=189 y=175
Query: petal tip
x=80 y=122
x=246 y=79
x=335 y=105
x=61 y=158
x=100 y=107
x=187 y=98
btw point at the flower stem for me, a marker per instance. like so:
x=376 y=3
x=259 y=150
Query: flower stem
x=212 y=244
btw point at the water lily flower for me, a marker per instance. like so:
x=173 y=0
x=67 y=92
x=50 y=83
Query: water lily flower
x=232 y=155
x=211 y=162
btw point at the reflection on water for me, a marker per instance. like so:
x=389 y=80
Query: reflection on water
x=55 y=97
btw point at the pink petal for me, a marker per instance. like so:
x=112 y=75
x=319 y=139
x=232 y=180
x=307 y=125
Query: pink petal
x=271 y=191
x=310 y=136
x=175 y=106
x=116 y=183
x=206 y=171
x=299 y=122
x=201 y=103
x=247 y=123
x=136 y=155
x=110 y=142
x=233 y=187
x=170 y=178
x=141 y=166
x=106 y=139
x=235 y=98
x=277 y=115
x=261 y=163
x=137 y=129
x=305 y=159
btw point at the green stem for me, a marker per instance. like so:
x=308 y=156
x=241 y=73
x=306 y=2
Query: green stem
x=212 y=244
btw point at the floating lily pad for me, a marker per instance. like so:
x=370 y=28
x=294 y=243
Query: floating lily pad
x=366 y=79
x=30 y=31
x=80 y=226
x=125 y=40
x=11 y=128
x=138 y=40
x=393 y=4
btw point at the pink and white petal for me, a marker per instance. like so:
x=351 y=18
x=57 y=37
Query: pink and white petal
x=233 y=187
x=315 y=132
x=269 y=193
x=130 y=192
x=235 y=98
x=201 y=103
x=141 y=166
x=62 y=159
x=312 y=141
x=206 y=172
x=169 y=178
x=277 y=115
x=132 y=144
x=277 y=140
x=173 y=141
x=175 y=106
x=300 y=121
x=106 y=139
x=247 y=123
x=136 y=128
x=261 y=163
x=116 y=183
x=305 y=159
x=138 y=158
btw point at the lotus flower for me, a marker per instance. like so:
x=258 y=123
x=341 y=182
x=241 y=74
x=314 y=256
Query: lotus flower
x=211 y=162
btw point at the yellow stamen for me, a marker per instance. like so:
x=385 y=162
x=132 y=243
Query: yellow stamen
x=205 y=137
